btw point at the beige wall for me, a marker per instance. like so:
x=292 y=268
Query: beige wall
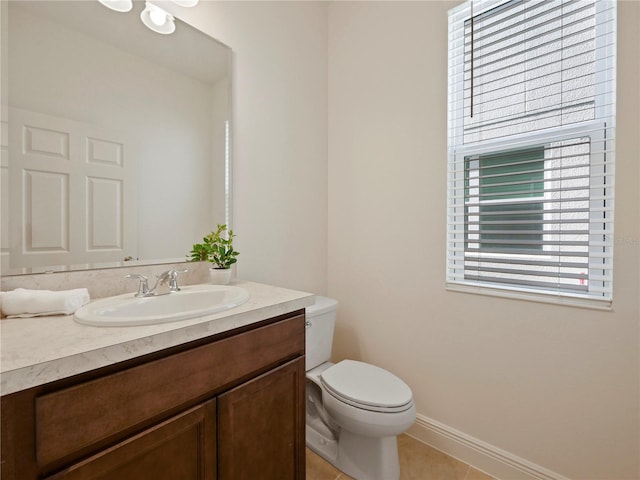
x=280 y=137
x=554 y=386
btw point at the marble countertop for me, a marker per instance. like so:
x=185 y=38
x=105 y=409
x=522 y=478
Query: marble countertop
x=38 y=350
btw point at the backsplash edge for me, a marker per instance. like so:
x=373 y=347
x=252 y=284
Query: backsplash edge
x=105 y=282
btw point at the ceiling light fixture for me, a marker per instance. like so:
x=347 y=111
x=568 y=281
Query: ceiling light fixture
x=157 y=19
x=154 y=17
x=118 y=5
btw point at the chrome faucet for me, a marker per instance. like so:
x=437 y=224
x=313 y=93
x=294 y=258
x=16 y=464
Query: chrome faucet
x=168 y=278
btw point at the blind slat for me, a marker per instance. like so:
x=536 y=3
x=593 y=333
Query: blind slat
x=539 y=284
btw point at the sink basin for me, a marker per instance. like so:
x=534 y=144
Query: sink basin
x=191 y=301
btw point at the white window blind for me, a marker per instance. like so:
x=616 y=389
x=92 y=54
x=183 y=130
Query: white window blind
x=531 y=147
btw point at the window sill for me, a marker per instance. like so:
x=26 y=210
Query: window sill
x=515 y=294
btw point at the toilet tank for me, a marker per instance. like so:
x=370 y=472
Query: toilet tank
x=321 y=319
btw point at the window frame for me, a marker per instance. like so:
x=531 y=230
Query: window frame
x=595 y=130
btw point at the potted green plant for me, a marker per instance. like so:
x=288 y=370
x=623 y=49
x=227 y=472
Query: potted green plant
x=216 y=248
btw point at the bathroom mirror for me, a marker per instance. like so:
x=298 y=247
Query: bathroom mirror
x=116 y=139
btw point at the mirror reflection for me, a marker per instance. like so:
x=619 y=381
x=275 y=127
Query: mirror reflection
x=118 y=137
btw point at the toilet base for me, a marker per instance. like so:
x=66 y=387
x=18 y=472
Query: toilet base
x=324 y=445
x=363 y=458
x=368 y=458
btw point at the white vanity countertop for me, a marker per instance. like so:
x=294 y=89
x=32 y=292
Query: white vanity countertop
x=39 y=350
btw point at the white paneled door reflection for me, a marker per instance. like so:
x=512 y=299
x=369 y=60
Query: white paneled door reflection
x=71 y=192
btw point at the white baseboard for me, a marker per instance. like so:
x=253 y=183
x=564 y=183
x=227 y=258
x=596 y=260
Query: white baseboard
x=480 y=455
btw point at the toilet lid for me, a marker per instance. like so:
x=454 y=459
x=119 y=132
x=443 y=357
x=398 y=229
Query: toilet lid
x=366 y=384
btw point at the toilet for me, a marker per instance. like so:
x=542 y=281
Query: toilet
x=354 y=410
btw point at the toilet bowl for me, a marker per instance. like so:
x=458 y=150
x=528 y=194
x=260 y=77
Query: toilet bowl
x=355 y=410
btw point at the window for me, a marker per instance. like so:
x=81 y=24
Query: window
x=502 y=213
x=531 y=149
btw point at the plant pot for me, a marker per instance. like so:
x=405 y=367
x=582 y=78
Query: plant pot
x=220 y=276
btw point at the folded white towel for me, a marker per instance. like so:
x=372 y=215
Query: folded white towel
x=22 y=302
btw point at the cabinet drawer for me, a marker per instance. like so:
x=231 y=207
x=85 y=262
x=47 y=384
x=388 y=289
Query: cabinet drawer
x=179 y=448
x=77 y=420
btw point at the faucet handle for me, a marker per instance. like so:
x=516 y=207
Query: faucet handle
x=143 y=286
x=173 y=279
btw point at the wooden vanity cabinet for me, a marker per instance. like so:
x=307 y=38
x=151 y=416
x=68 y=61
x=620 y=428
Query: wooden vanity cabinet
x=230 y=408
x=260 y=423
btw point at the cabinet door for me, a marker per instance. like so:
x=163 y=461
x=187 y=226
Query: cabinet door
x=261 y=427
x=183 y=447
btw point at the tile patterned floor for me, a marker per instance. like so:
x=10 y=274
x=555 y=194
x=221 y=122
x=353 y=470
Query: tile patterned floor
x=417 y=462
